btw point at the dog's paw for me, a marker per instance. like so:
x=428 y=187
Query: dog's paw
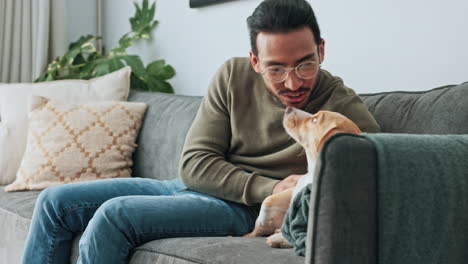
x=277 y=241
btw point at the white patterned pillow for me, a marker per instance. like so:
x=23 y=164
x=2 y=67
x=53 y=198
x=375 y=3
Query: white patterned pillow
x=77 y=142
x=14 y=98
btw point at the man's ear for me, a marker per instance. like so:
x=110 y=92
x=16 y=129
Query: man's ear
x=254 y=61
x=322 y=50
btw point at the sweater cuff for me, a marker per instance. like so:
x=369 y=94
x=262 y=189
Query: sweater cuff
x=261 y=187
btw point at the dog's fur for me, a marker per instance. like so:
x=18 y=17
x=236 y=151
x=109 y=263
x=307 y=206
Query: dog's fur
x=310 y=131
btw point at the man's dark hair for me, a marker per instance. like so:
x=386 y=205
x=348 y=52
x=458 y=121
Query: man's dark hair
x=281 y=16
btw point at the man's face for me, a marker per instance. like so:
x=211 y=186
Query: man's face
x=288 y=50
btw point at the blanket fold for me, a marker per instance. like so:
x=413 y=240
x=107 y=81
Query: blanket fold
x=294 y=226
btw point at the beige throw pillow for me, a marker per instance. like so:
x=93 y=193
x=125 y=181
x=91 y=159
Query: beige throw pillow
x=77 y=142
x=14 y=98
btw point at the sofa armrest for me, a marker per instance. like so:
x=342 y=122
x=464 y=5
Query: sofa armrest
x=390 y=198
x=342 y=216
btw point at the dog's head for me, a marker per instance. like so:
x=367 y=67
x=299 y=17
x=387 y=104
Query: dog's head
x=311 y=131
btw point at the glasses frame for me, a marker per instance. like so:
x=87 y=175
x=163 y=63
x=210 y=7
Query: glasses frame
x=289 y=69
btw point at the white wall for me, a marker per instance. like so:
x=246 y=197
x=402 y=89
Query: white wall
x=81 y=18
x=195 y=41
x=373 y=45
x=395 y=45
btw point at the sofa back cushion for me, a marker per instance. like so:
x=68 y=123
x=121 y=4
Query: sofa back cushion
x=163 y=132
x=442 y=110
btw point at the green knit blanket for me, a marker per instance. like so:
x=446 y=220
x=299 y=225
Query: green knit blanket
x=422 y=190
x=294 y=227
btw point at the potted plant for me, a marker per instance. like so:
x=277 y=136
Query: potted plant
x=84 y=61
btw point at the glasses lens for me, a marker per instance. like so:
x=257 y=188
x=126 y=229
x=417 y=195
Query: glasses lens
x=307 y=70
x=276 y=74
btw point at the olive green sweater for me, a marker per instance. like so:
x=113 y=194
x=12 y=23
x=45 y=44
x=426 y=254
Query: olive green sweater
x=237 y=148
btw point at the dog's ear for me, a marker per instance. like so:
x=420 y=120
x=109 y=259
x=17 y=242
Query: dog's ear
x=325 y=137
x=349 y=127
x=338 y=125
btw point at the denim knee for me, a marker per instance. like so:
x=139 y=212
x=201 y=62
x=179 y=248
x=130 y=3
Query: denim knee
x=52 y=198
x=113 y=207
x=108 y=220
x=110 y=212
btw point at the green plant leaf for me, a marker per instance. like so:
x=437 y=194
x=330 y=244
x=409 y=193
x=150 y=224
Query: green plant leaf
x=157 y=85
x=115 y=64
x=78 y=43
x=135 y=63
x=160 y=70
x=137 y=83
x=49 y=77
x=124 y=42
x=82 y=45
x=79 y=59
x=155 y=66
x=142 y=21
x=86 y=72
x=101 y=69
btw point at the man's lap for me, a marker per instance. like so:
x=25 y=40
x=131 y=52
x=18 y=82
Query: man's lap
x=149 y=206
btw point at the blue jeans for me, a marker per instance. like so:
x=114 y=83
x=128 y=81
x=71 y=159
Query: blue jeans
x=118 y=215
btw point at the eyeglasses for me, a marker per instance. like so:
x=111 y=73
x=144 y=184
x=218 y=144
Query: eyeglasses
x=305 y=70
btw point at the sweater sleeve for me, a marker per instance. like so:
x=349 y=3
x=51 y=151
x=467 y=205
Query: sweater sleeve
x=203 y=165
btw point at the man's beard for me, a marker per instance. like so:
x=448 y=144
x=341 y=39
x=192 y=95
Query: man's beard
x=304 y=90
x=287 y=91
x=277 y=98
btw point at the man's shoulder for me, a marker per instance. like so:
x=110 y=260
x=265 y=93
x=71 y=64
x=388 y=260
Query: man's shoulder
x=235 y=76
x=238 y=64
x=239 y=61
x=238 y=71
x=335 y=83
x=326 y=78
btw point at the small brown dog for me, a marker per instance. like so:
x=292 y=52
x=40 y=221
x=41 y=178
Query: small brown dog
x=310 y=131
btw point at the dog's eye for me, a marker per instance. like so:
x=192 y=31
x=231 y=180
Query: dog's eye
x=314 y=120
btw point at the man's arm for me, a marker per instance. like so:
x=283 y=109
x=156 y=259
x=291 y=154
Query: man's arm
x=203 y=165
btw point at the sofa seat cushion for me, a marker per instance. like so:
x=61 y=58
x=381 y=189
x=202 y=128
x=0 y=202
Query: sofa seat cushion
x=15 y=216
x=213 y=250
x=18 y=203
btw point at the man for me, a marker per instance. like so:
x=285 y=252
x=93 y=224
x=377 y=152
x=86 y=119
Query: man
x=237 y=148
x=235 y=155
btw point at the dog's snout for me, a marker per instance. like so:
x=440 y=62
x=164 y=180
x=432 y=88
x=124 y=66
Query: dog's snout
x=289 y=110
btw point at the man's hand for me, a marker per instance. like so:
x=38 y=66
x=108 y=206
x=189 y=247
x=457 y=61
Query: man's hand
x=287 y=183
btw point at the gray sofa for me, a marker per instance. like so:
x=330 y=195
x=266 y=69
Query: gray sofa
x=344 y=223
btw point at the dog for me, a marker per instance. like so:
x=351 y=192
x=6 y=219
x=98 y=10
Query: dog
x=310 y=131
